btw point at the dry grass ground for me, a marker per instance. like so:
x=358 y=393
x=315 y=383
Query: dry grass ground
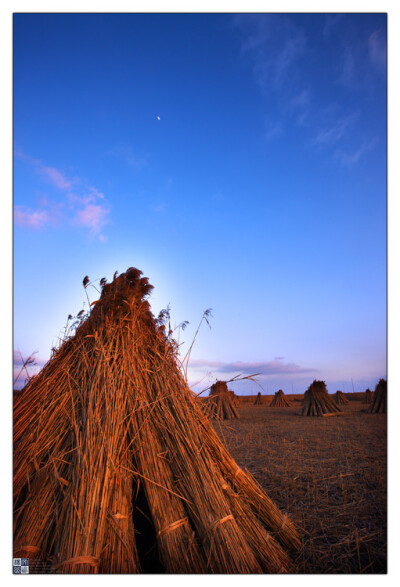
x=328 y=474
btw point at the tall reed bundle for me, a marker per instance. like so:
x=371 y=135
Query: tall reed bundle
x=379 y=402
x=340 y=398
x=317 y=402
x=117 y=469
x=219 y=405
x=280 y=400
x=368 y=396
x=259 y=399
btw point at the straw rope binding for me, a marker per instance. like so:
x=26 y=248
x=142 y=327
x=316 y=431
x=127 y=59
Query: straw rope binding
x=173 y=526
x=217 y=523
x=80 y=560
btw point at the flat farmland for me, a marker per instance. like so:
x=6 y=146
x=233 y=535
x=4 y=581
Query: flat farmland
x=328 y=474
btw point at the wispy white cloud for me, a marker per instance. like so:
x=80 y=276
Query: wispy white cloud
x=275 y=44
x=298 y=101
x=351 y=158
x=54 y=176
x=334 y=132
x=330 y=22
x=159 y=207
x=298 y=106
x=28 y=218
x=273 y=130
x=266 y=368
x=95 y=193
x=377 y=51
x=362 y=60
x=126 y=153
x=92 y=216
x=349 y=72
x=82 y=205
x=282 y=52
x=50 y=174
x=292 y=49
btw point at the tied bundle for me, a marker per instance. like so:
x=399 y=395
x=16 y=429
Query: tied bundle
x=118 y=470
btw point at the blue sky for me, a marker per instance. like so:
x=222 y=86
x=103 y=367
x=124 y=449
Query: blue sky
x=238 y=160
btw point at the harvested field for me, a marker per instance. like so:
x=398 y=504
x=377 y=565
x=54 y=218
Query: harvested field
x=327 y=474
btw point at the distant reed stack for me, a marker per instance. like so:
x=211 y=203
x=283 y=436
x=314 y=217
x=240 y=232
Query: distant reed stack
x=368 y=396
x=341 y=399
x=220 y=404
x=280 y=400
x=317 y=402
x=379 y=402
x=259 y=399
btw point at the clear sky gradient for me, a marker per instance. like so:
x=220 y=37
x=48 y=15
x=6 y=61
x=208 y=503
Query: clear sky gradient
x=239 y=161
